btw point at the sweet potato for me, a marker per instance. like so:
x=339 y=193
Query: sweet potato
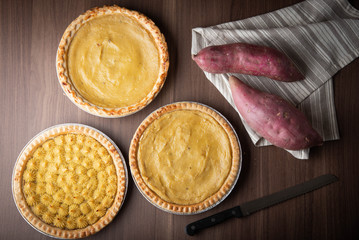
x=248 y=59
x=273 y=118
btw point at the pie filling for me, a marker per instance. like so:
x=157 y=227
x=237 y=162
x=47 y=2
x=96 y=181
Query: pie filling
x=70 y=181
x=113 y=61
x=184 y=156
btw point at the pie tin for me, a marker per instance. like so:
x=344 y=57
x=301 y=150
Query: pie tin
x=62 y=125
x=163 y=55
x=225 y=195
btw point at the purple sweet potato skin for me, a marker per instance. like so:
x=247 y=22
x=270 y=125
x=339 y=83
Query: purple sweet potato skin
x=248 y=59
x=273 y=118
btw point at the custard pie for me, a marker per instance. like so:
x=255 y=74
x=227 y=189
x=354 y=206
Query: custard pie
x=70 y=181
x=112 y=61
x=185 y=158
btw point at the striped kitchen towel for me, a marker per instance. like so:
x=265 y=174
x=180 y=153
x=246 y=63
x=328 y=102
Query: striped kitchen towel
x=320 y=36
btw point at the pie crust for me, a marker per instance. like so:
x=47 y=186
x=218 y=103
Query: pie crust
x=207 y=203
x=27 y=154
x=62 y=61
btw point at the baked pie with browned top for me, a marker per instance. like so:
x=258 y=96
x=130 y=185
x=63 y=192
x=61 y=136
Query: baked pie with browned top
x=185 y=158
x=70 y=181
x=111 y=61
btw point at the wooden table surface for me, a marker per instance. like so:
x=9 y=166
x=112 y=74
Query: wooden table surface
x=32 y=100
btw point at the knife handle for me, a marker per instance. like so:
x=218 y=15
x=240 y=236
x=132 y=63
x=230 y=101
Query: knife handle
x=193 y=228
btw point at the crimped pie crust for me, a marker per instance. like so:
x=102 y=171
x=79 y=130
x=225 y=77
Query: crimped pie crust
x=62 y=52
x=210 y=201
x=27 y=153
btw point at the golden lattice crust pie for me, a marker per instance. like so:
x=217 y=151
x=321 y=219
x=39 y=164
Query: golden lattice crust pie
x=185 y=158
x=69 y=181
x=112 y=61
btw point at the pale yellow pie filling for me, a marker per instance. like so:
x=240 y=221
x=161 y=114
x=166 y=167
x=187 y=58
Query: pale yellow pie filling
x=184 y=156
x=113 y=61
x=70 y=181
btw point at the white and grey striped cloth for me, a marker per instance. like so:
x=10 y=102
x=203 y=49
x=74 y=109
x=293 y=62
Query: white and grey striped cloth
x=320 y=36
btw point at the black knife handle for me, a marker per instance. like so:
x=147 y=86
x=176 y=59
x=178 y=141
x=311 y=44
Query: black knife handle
x=193 y=228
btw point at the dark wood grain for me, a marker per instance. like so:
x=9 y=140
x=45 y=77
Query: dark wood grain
x=32 y=100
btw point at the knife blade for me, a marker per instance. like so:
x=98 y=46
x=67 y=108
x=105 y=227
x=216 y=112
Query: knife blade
x=250 y=207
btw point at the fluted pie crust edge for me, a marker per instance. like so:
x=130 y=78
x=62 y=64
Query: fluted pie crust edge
x=62 y=69
x=210 y=201
x=27 y=153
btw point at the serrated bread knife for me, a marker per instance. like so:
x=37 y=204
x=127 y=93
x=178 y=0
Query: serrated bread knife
x=250 y=207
